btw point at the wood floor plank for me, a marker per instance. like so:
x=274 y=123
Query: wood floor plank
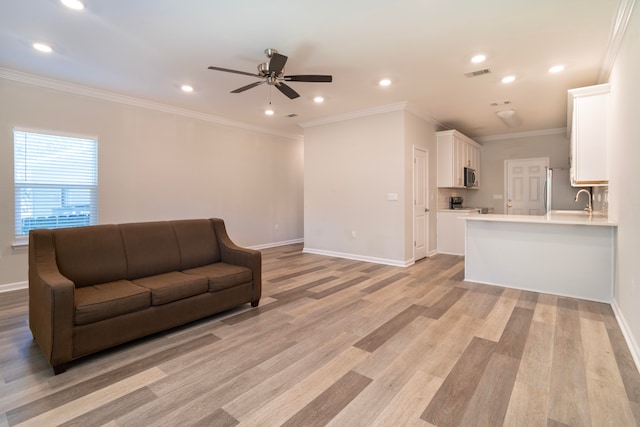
x=515 y=334
x=528 y=406
x=92 y=401
x=450 y=402
x=407 y=406
x=607 y=396
x=219 y=418
x=389 y=379
x=281 y=408
x=445 y=303
x=537 y=356
x=545 y=310
x=490 y=400
x=288 y=376
x=37 y=407
x=496 y=320
x=378 y=337
x=568 y=397
x=330 y=402
x=110 y=410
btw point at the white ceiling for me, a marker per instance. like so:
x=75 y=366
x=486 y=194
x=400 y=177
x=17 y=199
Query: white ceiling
x=149 y=48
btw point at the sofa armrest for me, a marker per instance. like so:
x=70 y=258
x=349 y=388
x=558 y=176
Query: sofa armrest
x=231 y=253
x=51 y=301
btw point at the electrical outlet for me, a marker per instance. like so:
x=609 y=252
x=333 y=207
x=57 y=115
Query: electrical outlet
x=353 y=234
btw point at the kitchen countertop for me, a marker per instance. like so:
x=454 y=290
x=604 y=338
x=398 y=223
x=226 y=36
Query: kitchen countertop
x=463 y=210
x=553 y=217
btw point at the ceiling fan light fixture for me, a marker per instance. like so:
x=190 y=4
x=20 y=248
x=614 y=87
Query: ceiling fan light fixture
x=509 y=117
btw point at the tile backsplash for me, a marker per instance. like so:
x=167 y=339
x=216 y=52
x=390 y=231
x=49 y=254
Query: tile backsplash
x=445 y=193
x=600 y=198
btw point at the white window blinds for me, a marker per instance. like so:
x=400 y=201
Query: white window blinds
x=56 y=181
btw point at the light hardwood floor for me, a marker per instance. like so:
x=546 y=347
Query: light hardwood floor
x=343 y=343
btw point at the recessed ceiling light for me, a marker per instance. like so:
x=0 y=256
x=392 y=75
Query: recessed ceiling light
x=478 y=59
x=73 y=4
x=508 y=79
x=318 y=99
x=42 y=47
x=556 y=68
x=269 y=112
x=186 y=88
x=385 y=82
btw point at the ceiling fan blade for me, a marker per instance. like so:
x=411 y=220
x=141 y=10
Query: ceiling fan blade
x=309 y=78
x=247 y=87
x=276 y=63
x=292 y=94
x=226 y=70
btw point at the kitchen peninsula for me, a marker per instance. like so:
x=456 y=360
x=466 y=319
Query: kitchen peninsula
x=563 y=252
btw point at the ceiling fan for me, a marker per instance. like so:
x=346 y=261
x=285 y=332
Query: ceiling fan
x=272 y=73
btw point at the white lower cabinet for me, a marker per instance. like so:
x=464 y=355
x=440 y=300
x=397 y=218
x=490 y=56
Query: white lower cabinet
x=450 y=231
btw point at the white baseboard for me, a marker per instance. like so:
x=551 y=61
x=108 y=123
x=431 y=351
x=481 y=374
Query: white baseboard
x=628 y=335
x=7 y=287
x=276 y=244
x=375 y=260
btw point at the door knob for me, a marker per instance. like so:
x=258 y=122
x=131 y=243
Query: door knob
x=426 y=210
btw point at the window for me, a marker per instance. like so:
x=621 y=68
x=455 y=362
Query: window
x=56 y=181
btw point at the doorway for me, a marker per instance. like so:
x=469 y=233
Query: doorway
x=524 y=182
x=420 y=203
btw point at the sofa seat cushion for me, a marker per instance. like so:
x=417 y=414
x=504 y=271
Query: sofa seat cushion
x=106 y=300
x=169 y=287
x=222 y=275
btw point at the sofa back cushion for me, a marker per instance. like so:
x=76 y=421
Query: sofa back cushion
x=197 y=241
x=151 y=248
x=90 y=255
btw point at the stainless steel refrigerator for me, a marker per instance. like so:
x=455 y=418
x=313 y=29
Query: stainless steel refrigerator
x=558 y=192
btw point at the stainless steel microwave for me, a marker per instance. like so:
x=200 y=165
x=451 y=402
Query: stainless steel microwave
x=470 y=178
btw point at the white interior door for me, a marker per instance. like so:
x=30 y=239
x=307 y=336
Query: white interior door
x=420 y=203
x=525 y=182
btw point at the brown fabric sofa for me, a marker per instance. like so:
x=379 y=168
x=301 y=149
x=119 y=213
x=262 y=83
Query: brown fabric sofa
x=91 y=288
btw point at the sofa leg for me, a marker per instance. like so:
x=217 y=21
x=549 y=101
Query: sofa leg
x=255 y=303
x=58 y=369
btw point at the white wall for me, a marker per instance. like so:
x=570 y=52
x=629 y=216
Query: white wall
x=624 y=191
x=555 y=146
x=155 y=165
x=350 y=168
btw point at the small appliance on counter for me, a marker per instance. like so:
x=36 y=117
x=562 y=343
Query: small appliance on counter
x=455 y=202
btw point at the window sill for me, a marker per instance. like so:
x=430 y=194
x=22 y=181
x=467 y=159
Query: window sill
x=20 y=243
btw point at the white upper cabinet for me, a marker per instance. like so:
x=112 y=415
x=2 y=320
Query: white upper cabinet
x=588 y=130
x=455 y=152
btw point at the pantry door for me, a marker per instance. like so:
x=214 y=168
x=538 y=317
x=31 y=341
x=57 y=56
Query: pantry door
x=420 y=203
x=525 y=186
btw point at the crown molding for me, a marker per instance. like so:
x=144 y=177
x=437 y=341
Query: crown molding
x=35 y=80
x=520 y=135
x=355 y=115
x=399 y=106
x=620 y=24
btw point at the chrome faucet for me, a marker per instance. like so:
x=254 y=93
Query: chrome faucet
x=589 y=207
